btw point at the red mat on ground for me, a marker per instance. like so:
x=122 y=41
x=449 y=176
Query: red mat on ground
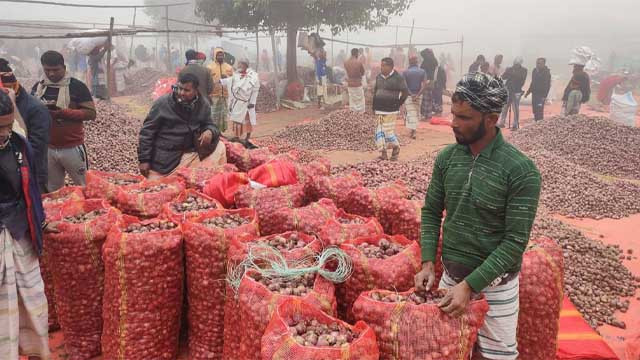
x=577 y=340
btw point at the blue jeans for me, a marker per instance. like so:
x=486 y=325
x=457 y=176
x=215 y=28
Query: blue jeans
x=514 y=102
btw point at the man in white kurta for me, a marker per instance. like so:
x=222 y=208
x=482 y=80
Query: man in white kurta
x=243 y=93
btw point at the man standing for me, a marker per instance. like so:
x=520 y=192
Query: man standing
x=219 y=96
x=416 y=79
x=320 y=59
x=389 y=93
x=540 y=86
x=194 y=66
x=580 y=82
x=36 y=118
x=439 y=86
x=489 y=191
x=475 y=67
x=70 y=105
x=355 y=73
x=243 y=87
x=23 y=305
x=495 y=70
x=515 y=77
x=178 y=132
x=429 y=65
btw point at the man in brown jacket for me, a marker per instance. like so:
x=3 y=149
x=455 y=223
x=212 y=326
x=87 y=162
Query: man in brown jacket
x=355 y=72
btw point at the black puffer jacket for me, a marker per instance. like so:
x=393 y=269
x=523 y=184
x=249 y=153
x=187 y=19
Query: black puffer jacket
x=170 y=131
x=390 y=93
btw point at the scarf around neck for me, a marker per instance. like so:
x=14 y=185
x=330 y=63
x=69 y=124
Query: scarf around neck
x=64 y=98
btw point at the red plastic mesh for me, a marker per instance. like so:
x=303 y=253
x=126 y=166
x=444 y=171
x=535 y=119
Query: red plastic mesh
x=99 y=184
x=247 y=314
x=393 y=273
x=196 y=177
x=370 y=202
x=75 y=261
x=408 y=331
x=275 y=173
x=246 y=159
x=541 y=293
x=308 y=219
x=334 y=188
x=278 y=343
x=144 y=274
x=238 y=247
x=335 y=233
x=49 y=291
x=223 y=187
x=171 y=213
x=206 y=268
x=54 y=201
x=268 y=200
x=148 y=205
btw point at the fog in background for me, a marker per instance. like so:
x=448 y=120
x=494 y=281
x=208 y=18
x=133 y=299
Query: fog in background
x=548 y=28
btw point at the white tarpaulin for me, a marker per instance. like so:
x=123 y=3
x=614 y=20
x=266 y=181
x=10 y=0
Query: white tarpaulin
x=623 y=109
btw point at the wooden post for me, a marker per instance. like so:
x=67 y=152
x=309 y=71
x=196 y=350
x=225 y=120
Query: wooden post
x=257 y=51
x=166 y=16
x=109 y=58
x=275 y=67
x=135 y=10
x=333 y=56
x=461 y=72
x=413 y=23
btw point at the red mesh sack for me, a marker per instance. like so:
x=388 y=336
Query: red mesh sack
x=206 y=267
x=195 y=177
x=54 y=201
x=279 y=343
x=189 y=204
x=332 y=187
x=308 y=219
x=249 y=311
x=313 y=169
x=295 y=91
x=393 y=273
x=75 y=261
x=370 y=202
x=49 y=291
x=223 y=187
x=275 y=173
x=541 y=293
x=105 y=185
x=404 y=218
x=143 y=291
x=246 y=159
x=344 y=227
x=405 y=330
x=147 y=198
x=268 y=200
x=239 y=247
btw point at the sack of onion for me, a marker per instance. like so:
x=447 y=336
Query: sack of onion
x=196 y=177
x=293 y=245
x=105 y=185
x=54 y=201
x=308 y=219
x=267 y=201
x=410 y=325
x=147 y=198
x=298 y=331
x=188 y=204
x=335 y=188
x=344 y=227
x=371 y=202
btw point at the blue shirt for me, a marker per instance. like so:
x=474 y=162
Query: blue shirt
x=321 y=68
x=414 y=76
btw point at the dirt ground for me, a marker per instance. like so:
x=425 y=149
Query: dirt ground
x=434 y=137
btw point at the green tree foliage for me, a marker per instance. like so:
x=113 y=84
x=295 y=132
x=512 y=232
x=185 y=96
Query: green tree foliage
x=292 y=15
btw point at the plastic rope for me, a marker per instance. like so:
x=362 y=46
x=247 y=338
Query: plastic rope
x=270 y=263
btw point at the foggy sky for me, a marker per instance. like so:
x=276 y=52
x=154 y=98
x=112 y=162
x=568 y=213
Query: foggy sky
x=529 y=28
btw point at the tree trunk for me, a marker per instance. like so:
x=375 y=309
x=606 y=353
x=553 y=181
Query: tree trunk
x=292 y=63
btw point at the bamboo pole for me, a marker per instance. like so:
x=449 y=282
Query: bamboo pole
x=109 y=46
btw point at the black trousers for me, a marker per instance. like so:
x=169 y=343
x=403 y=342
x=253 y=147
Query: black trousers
x=537 y=103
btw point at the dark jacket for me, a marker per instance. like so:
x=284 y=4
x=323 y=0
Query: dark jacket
x=390 y=93
x=170 y=131
x=203 y=74
x=585 y=87
x=429 y=63
x=540 y=82
x=440 y=82
x=515 y=78
x=38 y=121
x=30 y=190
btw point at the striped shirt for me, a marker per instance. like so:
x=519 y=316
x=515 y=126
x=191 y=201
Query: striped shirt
x=490 y=201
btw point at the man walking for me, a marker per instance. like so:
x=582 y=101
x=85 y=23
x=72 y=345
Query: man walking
x=581 y=83
x=179 y=132
x=220 y=95
x=36 y=119
x=389 y=93
x=355 y=72
x=539 y=88
x=489 y=191
x=70 y=105
x=23 y=305
x=194 y=66
x=416 y=79
x=515 y=77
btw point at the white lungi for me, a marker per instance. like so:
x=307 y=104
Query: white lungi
x=356 y=98
x=413 y=112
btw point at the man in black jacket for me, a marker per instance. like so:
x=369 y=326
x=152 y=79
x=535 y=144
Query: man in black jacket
x=515 y=77
x=389 y=93
x=540 y=85
x=179 y=132
x=193 y=66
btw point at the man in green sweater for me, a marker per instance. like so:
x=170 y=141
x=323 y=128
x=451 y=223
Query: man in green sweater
x=490 y=192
